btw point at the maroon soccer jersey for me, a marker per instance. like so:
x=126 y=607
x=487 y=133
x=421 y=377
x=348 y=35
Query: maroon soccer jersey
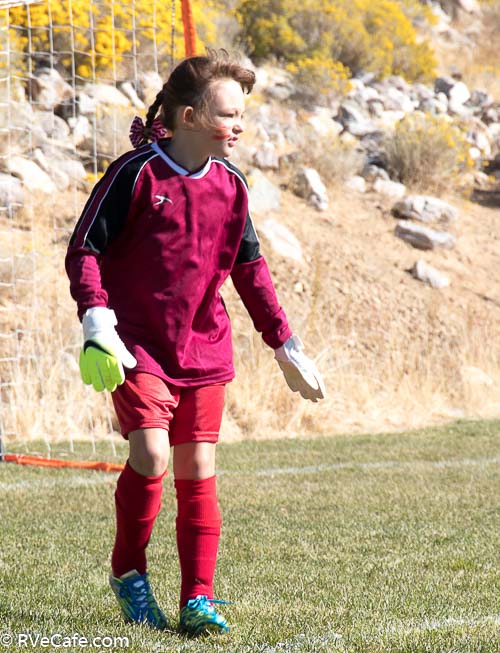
x=155 y=243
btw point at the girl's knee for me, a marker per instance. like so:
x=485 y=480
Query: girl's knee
x=149 y=452
x=194 y=460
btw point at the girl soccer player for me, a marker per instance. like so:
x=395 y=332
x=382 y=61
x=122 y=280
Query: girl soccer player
x=159 y=235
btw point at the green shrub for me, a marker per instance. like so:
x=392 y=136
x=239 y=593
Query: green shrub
x=427 y=152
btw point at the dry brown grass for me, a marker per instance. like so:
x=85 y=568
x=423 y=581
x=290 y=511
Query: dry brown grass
x=395 y=353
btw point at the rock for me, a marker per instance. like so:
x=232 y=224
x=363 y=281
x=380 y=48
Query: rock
x=459 y=109
x=475 y=375
x=424 y=208
x=479 y=136
x=106 y=94
x=53 y=126
x=444 y=85
x=356 y=183
x=481 y=99
x=11 y=192
x=362 y=95
x=71 y=167
x=264 y=196
x=48 y=89
x=308 y=184
x=396 y=100
x=387 y=120
x=129 y=91
x=373 y=172
x=150 y=84
x=475 y=153
x=86 y=105
x=81 y=129
x=280 y=92
x=32 y=176
x=352 y=118
x=420 y=92
x=389 y=188
x=470 y=6
x=491 y=115
x=422 y=237
x=281 y=239
x=323 y=123
x=433 y=106
x=59 y=177
x=266 y=156
x=459 y=93
x=428 y=274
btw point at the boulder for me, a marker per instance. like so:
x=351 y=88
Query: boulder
x=106 y=94
x=81 y=129
x=32 y=176
x=47 y=89
x=354 y=120
x=53 y=126
x=266 y=157
x=428 y=274
x=422 y=237
x=150 y=84
x=59 y=177
x=424 y=208
x=129 y=91
x=281 y=239
x=356 y=183
x=470 y=6
x=264 y=196
x=308 y=184
x=459 y=93
x=389 y=188
x=372 y=172
x=11 y=192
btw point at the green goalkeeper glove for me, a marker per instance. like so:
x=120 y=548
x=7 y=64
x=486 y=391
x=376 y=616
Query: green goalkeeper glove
x=301 y=374
x=104 y=355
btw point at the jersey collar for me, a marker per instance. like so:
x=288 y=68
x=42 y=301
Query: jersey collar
x=197 y=174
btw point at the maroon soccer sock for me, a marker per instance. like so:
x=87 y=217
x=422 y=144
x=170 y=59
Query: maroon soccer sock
x=138 y=502
x=198 y=531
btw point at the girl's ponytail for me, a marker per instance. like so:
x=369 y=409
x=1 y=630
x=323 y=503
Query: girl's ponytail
x=153 y=130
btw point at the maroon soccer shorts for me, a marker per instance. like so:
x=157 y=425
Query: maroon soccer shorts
x=188 y=414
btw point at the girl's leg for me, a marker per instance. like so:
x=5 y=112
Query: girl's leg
x=198 y=517
x=138 y=498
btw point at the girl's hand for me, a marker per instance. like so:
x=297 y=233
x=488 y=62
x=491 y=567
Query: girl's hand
x=104 y=355
x=301 y=374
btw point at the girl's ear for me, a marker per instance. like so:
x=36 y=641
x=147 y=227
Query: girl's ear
x=187 y=117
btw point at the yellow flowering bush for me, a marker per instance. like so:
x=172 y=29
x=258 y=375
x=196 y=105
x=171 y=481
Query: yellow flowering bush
x=427 y=151
x=370 y=35
x=317 y=78
x=99 y=37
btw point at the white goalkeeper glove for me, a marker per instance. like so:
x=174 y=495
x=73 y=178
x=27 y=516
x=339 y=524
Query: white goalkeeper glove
x=104 y=355
x=301 y=374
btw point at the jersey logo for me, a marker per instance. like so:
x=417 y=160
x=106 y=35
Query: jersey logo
x=161 y=199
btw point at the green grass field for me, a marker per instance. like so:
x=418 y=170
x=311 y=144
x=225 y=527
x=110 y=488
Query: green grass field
x=370 y=543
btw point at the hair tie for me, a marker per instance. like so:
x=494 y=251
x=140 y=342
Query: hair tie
x=138 y=133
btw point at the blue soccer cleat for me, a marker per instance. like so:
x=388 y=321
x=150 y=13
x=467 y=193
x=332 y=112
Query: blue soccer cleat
x=137 y=600
x=198 y=616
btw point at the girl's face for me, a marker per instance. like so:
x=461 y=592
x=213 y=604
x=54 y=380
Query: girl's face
x=225 y=120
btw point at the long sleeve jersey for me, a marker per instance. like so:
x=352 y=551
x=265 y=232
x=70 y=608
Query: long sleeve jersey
x=155 y=243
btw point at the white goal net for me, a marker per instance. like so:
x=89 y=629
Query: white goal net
x=72 y=75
